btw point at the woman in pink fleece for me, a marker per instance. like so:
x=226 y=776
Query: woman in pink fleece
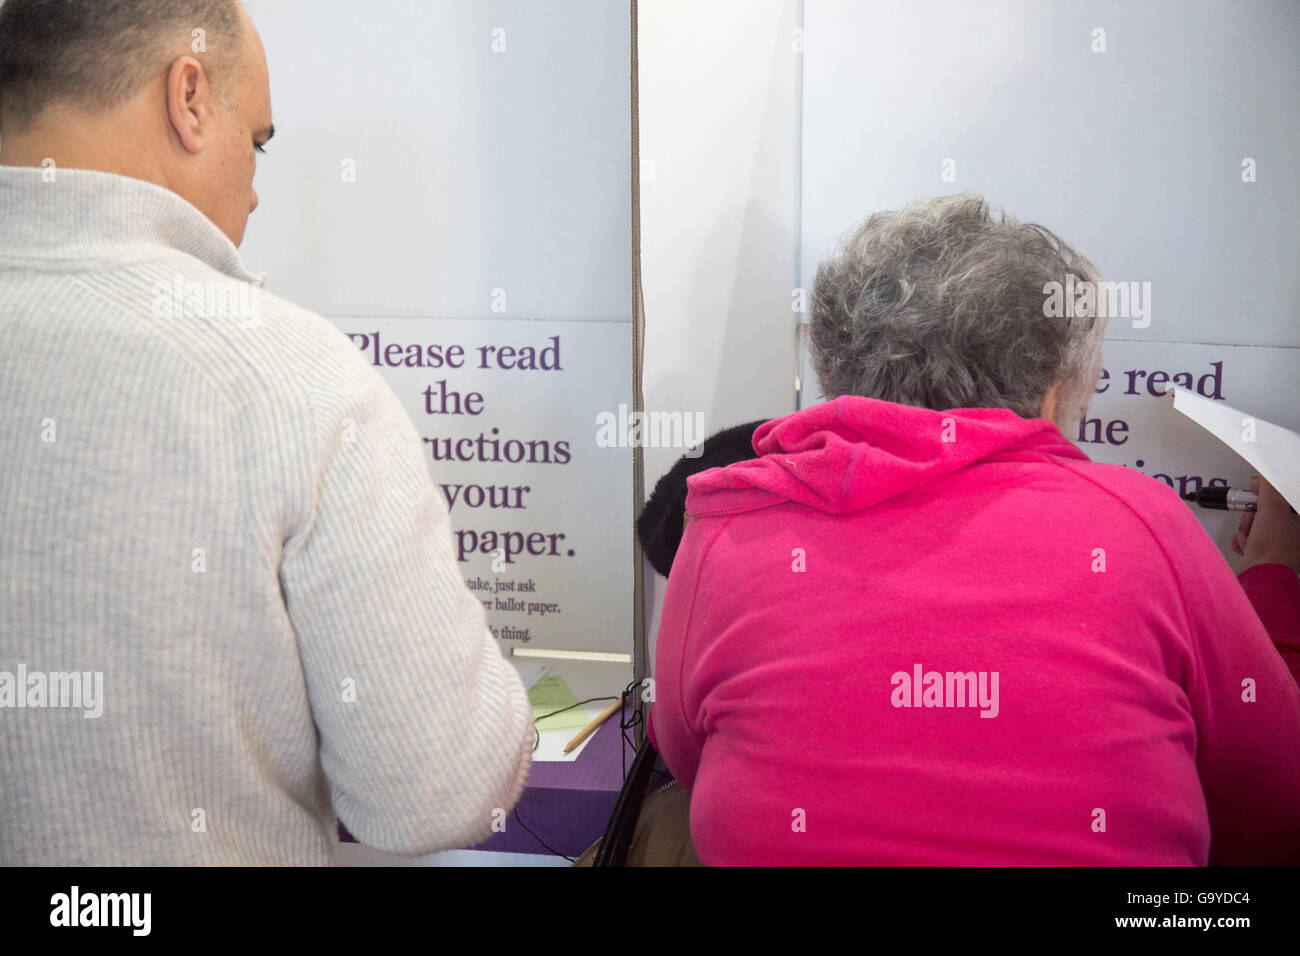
x=923 y=628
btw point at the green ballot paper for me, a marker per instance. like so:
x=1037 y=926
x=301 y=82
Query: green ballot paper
x=550 y=694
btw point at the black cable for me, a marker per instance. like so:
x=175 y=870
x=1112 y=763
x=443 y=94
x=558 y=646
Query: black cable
x=537 y=734
x=549 y=849
x=627 y=724
x=537 y=739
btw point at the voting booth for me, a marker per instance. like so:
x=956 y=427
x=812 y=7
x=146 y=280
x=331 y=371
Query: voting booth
x=474 y=194
x=451 y=187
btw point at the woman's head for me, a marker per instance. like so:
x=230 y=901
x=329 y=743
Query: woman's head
x=940 y=305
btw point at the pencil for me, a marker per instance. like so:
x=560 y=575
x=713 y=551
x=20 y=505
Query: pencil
x=591 y=727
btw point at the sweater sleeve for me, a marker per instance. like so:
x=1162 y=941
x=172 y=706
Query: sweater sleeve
x=1274 y=591
x=425 y=729
x=1247 y=708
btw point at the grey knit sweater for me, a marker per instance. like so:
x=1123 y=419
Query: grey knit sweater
x=215 y=511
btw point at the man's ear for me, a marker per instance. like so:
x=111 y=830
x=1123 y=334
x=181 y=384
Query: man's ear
x=189 y=103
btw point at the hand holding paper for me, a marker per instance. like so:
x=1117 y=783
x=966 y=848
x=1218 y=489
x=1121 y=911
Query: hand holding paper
x=1272 y=534
x=1274 y=451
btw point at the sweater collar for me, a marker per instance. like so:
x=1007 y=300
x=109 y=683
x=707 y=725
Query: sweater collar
x=88 y=215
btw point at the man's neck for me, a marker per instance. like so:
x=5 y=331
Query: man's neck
x=67 y=140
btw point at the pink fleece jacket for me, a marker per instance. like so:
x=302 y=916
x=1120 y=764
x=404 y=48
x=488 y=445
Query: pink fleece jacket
x=904 y=636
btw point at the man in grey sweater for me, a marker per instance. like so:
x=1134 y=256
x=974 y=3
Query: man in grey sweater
x=229 y=606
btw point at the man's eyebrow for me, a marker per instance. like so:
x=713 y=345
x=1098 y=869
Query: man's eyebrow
x=265 y=134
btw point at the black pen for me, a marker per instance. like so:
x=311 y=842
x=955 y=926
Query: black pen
x=1223 y=499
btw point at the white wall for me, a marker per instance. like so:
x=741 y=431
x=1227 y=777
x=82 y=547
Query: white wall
x=719 y=196
x=475 y=169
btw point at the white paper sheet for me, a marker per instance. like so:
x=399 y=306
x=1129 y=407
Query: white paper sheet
x=1272 y=450
x=551 y=747
x=551 y=744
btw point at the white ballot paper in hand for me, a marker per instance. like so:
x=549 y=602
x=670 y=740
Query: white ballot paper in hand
x=1274 y=451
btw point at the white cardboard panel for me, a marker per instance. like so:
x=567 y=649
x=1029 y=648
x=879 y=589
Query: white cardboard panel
x=474 y=170
x=587 y=572
x=1132 y=155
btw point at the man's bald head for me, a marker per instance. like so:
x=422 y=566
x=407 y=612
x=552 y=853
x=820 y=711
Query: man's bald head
x=172 y=92
x=92 y=55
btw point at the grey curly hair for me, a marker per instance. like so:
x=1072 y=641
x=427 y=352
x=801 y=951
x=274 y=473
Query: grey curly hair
x=940 y=305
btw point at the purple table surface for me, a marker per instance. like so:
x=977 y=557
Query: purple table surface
x=565 y=804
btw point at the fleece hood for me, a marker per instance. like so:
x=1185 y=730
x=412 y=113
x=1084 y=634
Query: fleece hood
x=852 y=453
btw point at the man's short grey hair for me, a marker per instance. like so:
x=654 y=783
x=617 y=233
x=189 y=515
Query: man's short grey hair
x=96 y=54
x=940 y=305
